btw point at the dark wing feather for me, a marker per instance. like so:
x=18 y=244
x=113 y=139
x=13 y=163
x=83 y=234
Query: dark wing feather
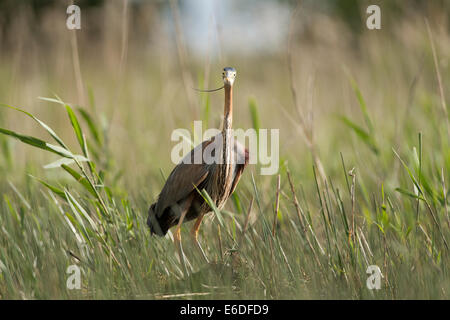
x=181 y=182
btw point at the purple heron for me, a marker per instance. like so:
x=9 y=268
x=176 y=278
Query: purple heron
x=179 y=200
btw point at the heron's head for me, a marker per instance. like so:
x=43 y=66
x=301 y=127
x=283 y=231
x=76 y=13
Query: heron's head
x=228 y=75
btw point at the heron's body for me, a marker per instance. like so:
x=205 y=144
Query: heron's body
x=179 y=188
x=179 y=200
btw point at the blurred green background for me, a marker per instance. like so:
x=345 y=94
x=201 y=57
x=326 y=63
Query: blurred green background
x=360 y=95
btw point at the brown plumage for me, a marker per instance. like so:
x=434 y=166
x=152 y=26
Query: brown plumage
x=179 y=201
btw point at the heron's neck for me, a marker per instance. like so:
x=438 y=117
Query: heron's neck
x=228 y=108
x=226 y=131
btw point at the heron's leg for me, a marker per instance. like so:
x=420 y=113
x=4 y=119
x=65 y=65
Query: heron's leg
x=177 y=240
x=194 y=233
x=177 y=237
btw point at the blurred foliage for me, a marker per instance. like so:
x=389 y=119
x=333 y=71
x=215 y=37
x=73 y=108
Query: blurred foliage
x=9 y=7
x=383 y=123
x=350 y=11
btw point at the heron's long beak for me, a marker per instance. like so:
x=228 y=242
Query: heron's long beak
x=211 y=90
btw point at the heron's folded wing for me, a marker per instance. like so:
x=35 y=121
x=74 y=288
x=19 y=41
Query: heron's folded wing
x=181 y=182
